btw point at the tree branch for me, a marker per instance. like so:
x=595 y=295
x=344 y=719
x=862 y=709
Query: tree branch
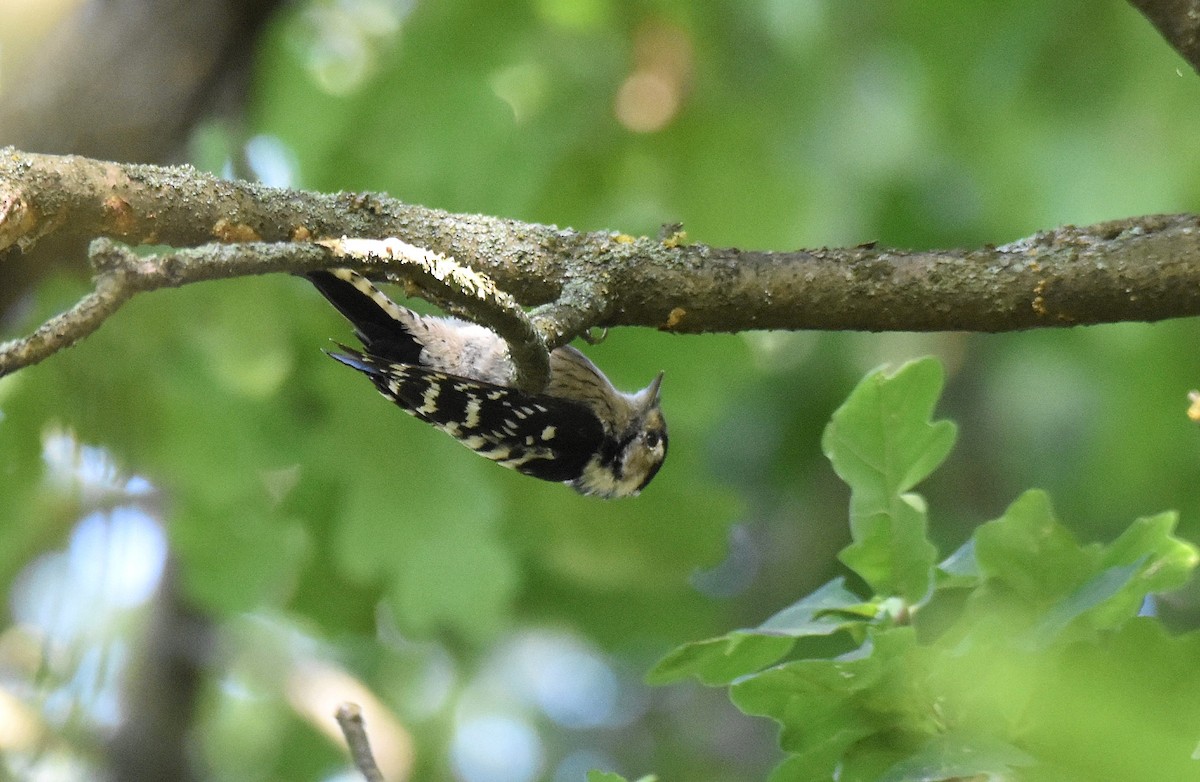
x=1178 y=21
x=1137 y=269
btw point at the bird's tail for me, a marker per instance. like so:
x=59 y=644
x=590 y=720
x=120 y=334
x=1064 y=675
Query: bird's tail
x=383 y=326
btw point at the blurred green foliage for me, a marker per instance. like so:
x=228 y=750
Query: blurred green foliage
x=292 y=490
x=1027 y=670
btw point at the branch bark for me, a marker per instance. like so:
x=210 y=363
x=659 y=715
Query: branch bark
x=350 y=720
x=1178 y=21
x=1137 y=269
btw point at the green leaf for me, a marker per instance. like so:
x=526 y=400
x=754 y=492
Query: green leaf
x=960 y=569
x=825 y=707
x=1145 y=559
x=1167 y=562
x=808 y=767
x=882 y=443
x=717 y=661
x=604 y=776
x=1124 y=708
x=821 y=613
x=881 y=440
x=610 y=776
x=952 y=756
x=720 y=660
x=1029 y=556
x=1095 y=592
x=1028 y=552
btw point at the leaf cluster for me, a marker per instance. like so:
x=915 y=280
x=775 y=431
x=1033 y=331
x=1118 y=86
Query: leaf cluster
x=1025 y=654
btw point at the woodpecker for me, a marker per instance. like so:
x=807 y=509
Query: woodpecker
x=458 y=376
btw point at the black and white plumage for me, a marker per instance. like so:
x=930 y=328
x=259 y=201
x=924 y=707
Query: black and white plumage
x=458 y=377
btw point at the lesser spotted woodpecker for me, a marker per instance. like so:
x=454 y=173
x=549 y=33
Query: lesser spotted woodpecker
x=458 y=377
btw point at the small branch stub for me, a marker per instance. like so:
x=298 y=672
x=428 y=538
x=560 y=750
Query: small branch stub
x=350 y=720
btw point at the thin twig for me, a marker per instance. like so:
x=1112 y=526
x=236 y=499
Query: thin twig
x=121 y=273
x=66 y=328
x=350 y=720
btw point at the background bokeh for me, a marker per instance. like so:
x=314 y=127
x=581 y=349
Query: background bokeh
x=497 y=628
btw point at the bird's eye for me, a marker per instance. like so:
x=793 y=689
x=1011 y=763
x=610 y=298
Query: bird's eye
x=652 y=439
